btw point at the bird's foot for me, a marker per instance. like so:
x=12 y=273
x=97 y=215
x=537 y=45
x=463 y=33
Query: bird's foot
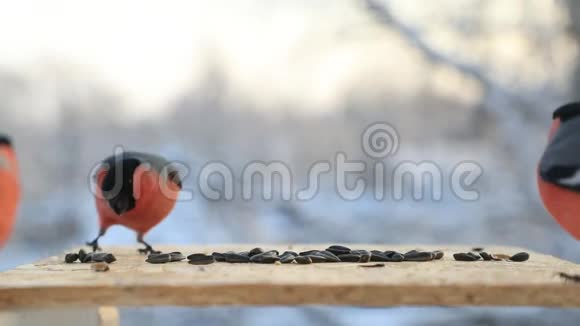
x=94 y=245
x=148 y=250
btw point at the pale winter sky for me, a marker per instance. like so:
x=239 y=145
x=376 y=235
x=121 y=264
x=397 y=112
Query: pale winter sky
x=275 y=52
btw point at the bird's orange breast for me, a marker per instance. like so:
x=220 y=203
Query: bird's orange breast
x=563 y=205
x=9 y=193
x=155 y=199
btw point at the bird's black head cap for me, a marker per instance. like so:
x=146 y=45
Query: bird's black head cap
x=117 y=185
x=567 y=111
x=5 y=140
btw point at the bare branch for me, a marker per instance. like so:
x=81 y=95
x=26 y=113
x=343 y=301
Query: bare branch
x=509 y=109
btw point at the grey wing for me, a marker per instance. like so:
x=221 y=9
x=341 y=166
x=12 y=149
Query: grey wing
x=560 y=163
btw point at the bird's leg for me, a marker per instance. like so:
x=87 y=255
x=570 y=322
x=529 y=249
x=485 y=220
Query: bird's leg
x=148 y=249
x=95 y=243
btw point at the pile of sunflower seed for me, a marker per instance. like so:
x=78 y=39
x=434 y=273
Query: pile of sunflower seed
x=479 y=253
x=332 y=254
x=91 y=257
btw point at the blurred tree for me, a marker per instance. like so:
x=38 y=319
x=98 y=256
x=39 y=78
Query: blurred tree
x=574 y=28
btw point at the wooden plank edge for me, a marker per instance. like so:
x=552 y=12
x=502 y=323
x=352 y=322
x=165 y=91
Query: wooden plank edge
x=564 y=295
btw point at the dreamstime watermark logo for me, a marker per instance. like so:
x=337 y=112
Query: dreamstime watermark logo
x=379 y=141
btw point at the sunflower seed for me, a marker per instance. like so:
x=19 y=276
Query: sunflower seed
x=485 y=256
x=317 y=258
x=349 y=258
x=102 y=257
x=71 y=258
x=309 y=252
x=303 y=260
x=290 y=252
x=465 y=257
x=338 y=250
x=269 y=257
x=158 y=258
x=232 y=257
x=255 y=251
x=218 y=256
x=82 y=254
x=419 y=256
x=520 y=257
x=438 y=254
x=365 y=256
x=200 y=259
x=379 y=256
x=287 y=258
x=176 y=256
x=389 y=253
x=87 y=258
x=477 y=249
x=397 y=257
x=330 y=257
x=100 y=267
x=109 y=258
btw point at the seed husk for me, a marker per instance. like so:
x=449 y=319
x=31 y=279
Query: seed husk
x=218 y=256
x=438 y=254
x=498 y=257
x=158 y=258
x=338 y=250
x=176 y=256
x=269 y=257
x=71 y=258
x=232 y=257
x=419 y=256
x=411 y=252
x=349 y=258
x=303 y=260
x=485 y=256
x=255 y=251
x=520 y=257
x=461 y=256
x=100 y=267
x=201 y=259
x=477 y=249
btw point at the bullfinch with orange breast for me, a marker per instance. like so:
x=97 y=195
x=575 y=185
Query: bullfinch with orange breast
x=559 y=169
x=136 y=190
x=9 y=189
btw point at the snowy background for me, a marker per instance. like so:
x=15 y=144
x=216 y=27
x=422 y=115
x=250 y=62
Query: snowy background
x=294 y=81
